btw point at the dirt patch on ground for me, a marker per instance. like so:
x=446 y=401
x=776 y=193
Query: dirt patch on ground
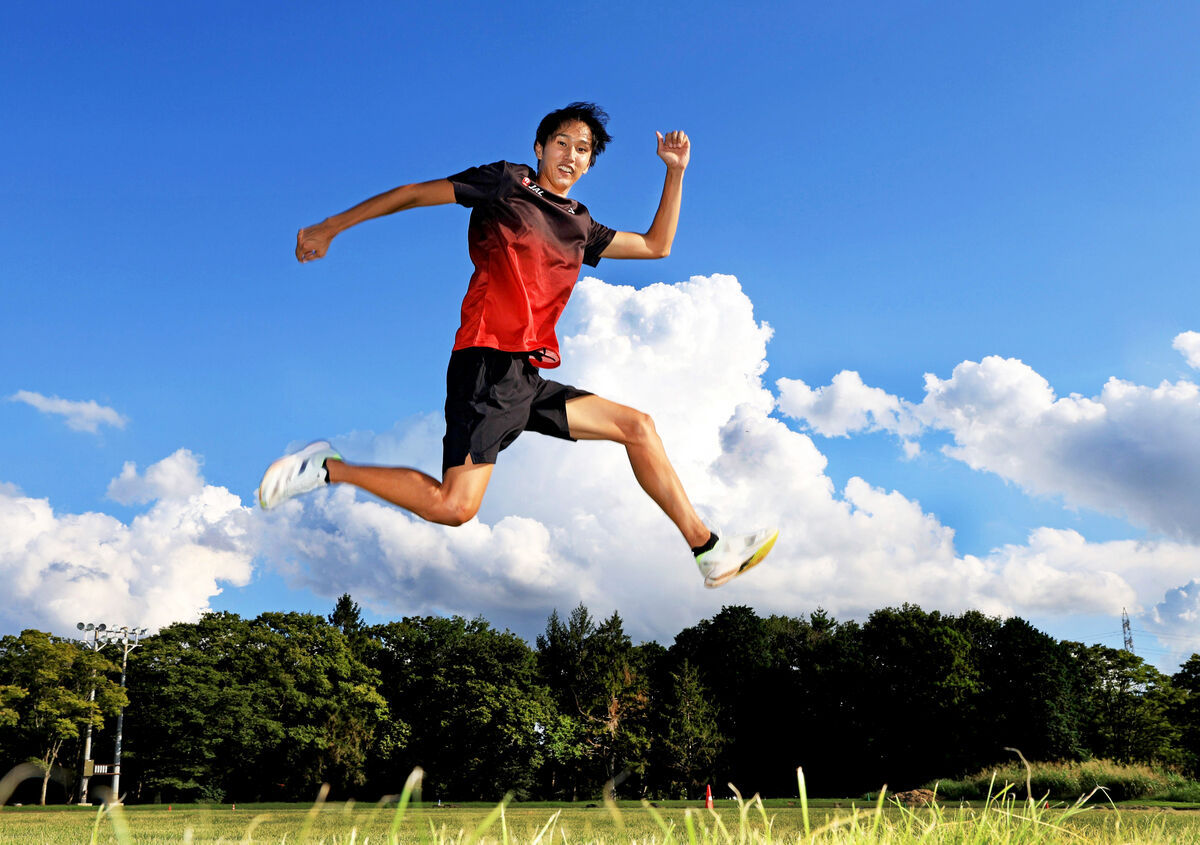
x=916 y=797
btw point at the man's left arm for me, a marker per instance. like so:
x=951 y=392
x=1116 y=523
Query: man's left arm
x=675 y=150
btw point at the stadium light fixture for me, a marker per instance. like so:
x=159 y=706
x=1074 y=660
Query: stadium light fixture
x=95 y=643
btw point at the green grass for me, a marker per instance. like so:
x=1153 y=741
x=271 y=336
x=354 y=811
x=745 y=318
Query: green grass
x=515 y=825
x=1067 y=781
x=1002 y=819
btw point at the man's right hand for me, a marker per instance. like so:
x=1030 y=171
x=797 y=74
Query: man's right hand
x=312 y=242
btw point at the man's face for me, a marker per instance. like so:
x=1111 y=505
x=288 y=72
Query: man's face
x=566 y=156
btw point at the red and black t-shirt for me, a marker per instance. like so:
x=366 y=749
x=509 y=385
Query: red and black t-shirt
x=527 y=245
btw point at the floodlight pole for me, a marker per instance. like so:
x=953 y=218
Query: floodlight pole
x=126 y=647
x=96 y=644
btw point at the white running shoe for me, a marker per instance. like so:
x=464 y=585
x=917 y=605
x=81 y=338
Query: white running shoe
x=294 y=474
x=732 y=556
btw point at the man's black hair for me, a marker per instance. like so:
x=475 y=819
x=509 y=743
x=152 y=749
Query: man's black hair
x=595 y=117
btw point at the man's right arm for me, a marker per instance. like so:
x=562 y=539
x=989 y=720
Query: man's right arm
x=312 y=242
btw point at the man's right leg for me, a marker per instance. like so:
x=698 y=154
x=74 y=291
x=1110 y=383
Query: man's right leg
x=452 y=501
x=476 y=423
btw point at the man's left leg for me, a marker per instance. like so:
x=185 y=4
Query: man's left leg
x=594 y=418
x=719 y=558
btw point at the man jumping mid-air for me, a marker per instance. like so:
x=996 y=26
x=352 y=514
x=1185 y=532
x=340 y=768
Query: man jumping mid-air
x=527 y=242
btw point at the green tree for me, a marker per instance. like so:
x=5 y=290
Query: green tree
x=347 y=618
x=921 y=685
x=467 y=706
x=817 y=701
x=738 y=660
x=1126 y=706
x=690 y=739
x=194 y=719
x=1186 y=712
x=600 y=681
x=564 y=753
x=328 y=702
x=49 y=683
x=10 y=697
x=347 y=615
x=230 y=709
x=1028 y=693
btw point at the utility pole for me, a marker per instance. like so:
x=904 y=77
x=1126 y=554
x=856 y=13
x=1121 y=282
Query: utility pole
x=99 y=641
x=1127 y=631
x=127 y=646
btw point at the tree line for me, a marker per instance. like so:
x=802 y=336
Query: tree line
x=228 y=709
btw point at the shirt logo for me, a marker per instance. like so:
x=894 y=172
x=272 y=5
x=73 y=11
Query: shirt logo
x=528 y=183
x=541 y=192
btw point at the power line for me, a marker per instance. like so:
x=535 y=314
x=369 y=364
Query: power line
x=1156 y=634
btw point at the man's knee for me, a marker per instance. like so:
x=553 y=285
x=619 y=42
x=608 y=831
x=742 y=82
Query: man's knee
x=638 y=428
x=460 y=494
x=457 y=511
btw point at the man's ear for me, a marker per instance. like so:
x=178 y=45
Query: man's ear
x=537 y=150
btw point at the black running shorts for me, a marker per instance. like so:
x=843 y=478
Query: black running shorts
x=491 y=397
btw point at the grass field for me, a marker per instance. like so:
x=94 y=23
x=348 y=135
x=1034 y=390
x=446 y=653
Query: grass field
x=750 y=823
x=1002 y=819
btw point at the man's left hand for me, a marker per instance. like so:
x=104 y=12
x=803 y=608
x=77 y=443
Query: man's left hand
x=674 y=149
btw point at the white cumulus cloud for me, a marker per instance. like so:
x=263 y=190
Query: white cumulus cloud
x=1189 y=344
x=177 y=477
x=846 y=406
x=1131 y=451
x=1174 y=620
x=161 y=567
x=78 y=415
x=564 y=522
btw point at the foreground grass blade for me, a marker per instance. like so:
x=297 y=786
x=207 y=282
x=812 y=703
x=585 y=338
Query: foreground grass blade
x=488 y=821
x=667 y=829
x=878 y=812
x=18 y=773
x=690 y=824
x=803 y=800
x=248 y=838
x=96 y=825
x=768 y=823
x=553 y=820
x=610 y=804
x=413 y=784
x=313 y=812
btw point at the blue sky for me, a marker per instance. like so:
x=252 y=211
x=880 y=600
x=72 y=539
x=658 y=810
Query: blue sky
x=1000 y=195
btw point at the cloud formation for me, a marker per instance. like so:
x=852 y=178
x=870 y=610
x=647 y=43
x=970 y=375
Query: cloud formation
x=848 y=406
x=79 y=416
x=175 y=478
x=1189 y=344
x=564 y=523
x=1174 y=619
x=163 y=566
x=1130 y=451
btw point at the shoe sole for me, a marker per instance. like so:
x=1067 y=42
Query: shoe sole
x=753 y=561
x=262 y=503
x=276 y=467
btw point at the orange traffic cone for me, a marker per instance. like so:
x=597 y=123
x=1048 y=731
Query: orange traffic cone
x=708 y=796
